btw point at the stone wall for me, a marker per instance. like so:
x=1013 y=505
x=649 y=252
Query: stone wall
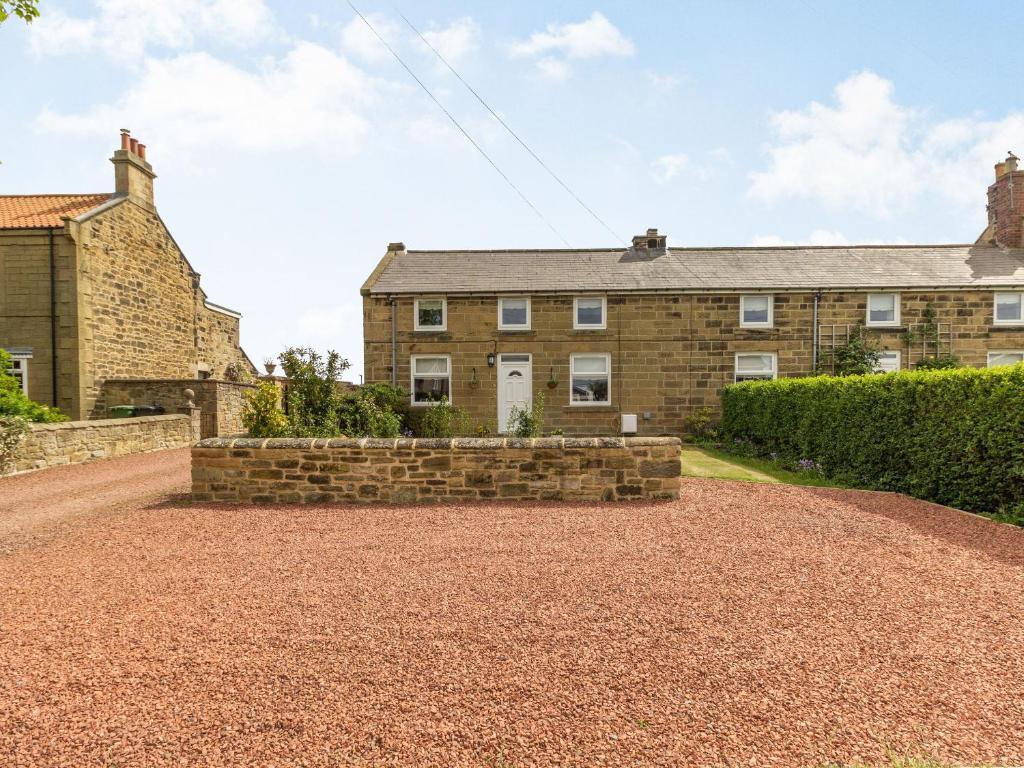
x=219 y=401
x=75 y=442
x=671 y=354
x=405 y=470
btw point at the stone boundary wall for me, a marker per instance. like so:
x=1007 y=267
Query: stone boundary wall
x=220 y=401
x=407 y=470
x=75 y=442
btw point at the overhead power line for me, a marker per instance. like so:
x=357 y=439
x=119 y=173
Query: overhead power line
x=456 y=123
x=512 y=133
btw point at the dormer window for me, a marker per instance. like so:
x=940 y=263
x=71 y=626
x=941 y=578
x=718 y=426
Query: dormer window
x=431 y=314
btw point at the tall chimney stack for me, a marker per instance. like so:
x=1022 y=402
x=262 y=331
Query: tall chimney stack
x=1006 y=204
x=133 y=175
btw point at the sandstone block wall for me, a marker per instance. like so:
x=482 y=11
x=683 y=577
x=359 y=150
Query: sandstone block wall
x=75 y=442
x=220 y=402
x=405 y=470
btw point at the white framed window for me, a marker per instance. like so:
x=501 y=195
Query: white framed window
x=591 y=379
x=757 y=311
x=756 y=365
x=888 y=361
x=589 y=312
x=19 y=370
x=1008 y=309
x=431 y=379
x=431 y=314
x=883 y=309
x=1005 y=357
x=514 y=314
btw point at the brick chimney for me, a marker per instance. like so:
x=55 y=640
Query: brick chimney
x=1006 y=205
x=133 y=176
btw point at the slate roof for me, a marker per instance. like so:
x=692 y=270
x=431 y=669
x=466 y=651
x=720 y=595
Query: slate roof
x=889 y=266
x=36 y=211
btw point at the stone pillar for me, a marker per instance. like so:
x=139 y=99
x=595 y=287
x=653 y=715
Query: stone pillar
x=190 y=410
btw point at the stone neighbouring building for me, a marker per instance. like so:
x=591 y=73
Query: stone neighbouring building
x=654 y=332
x=95 y=288
x=431 y=470
x=76 y=442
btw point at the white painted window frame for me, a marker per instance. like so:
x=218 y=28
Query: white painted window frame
x=899 y=360
x=995 y=305
x=988 y=359
x=412 y=380
x=502 y=326
x=20 y=364
x=771 y=310
x=736 y=363
x=572 y=369
x=430 y=328
x=576 y=314
x=895 y=322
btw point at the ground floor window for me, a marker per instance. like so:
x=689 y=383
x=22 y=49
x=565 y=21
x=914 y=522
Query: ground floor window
x=888 y=362
x=755 y=365
x=19 y=370
x=591 y=379
x=431 y=379
x=1011 y=357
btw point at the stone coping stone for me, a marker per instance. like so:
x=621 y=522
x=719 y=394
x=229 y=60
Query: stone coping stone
x=407 y=443
x=93 y=423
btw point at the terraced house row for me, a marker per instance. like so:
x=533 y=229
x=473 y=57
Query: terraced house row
x=636 y=339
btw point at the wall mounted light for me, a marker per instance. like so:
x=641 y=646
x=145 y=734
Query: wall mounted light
x=490 y=359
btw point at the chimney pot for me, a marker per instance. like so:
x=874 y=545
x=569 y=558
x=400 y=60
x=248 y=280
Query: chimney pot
x=142 y=151
x=1000 y=170
x=1011 y=163
x=125 y=138
x=134 y=146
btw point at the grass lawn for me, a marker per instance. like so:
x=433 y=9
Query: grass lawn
x=714 y=463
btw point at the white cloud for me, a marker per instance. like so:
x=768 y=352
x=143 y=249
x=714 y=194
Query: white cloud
x=455 y=41
x=592 y=38
x=125 y=29
x=662 y=82
x=869 y=153
x=358 y=39
x=307 y=98
x=667 y=167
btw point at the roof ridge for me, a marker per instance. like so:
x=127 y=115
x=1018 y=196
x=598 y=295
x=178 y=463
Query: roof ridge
x=703 y=248
x=63 y=194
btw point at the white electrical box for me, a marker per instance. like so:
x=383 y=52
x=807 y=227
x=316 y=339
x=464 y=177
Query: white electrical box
x=629 y=423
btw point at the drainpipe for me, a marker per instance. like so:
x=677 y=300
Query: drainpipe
x=53 y=319
x=814 y=334
x=394 y=346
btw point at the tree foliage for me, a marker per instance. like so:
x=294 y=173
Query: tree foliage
x=314 y=397
x=14 y=402
x=27 y=10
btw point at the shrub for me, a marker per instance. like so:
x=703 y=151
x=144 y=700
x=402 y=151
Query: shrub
x=260 y=414
x=314 y=398
x=700 y=422
x=937 y=363
x=857 y=356
x=12 y=433
x=14 y=402
x=375 y=410
x=527 y=422
x=950 y=436
x=442 y=420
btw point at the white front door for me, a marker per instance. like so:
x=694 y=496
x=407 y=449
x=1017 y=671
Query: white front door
x=515 y=386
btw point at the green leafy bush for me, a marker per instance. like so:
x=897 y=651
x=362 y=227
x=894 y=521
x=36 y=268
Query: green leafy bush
x=260 y=414
x=527 y=422
x=940 y=363
x=314 y=397
x=375 y=410
x=442 y=420
x=14 y=402
x=951 y=436
x=859 y=355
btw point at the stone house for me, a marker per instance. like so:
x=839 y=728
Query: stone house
x=637 y=339
x=95 y=289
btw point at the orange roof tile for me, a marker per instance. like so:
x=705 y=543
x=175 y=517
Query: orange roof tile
x=36 y=211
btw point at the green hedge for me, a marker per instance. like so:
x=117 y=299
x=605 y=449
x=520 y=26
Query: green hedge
x=951 y=436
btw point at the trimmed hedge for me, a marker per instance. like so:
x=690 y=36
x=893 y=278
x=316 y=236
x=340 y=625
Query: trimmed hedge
x=951 y=436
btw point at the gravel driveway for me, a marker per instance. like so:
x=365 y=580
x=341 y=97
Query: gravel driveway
x=744 y=625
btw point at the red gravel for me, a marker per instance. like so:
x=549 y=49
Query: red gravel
x=745 y=625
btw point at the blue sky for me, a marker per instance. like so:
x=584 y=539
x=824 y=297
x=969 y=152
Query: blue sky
x=291 y=148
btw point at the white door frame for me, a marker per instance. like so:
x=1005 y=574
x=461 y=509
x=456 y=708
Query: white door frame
x=528 y=365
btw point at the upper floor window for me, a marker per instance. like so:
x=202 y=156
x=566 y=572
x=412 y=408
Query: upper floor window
x=589 y=312
x=431 y=379
x=888 y=362
x=514 y=314
x=431 y=314
x=1005 y=358
x=757 y=311
x=19 y=370
x=756 y=365
x=883 y=309
x=1009 y=309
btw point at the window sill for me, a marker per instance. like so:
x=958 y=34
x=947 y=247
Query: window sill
x=590 y=408
x=1007 y=327
x=430 y=331
x=589 y=330
x=761 y=328
x=516 y=331
x=877 y=327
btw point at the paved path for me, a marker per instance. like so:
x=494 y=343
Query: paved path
x=36 y=505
